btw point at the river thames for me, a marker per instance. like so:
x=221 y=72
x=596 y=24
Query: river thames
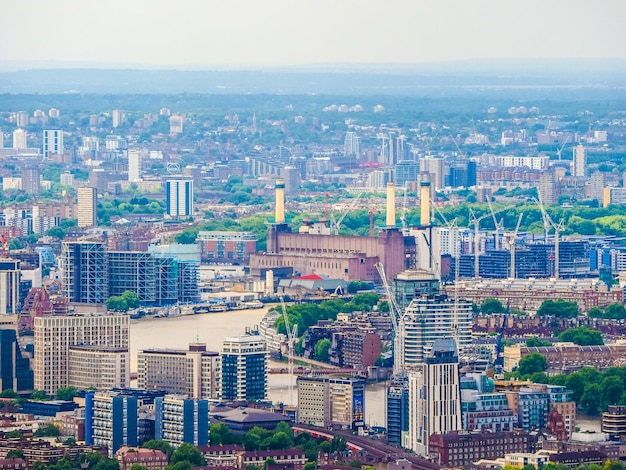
x=212 y=329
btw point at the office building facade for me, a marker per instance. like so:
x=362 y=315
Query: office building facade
x=15 y=372
x=195 y=373
x=244 y=368
x=55 y=335
x=180 y=420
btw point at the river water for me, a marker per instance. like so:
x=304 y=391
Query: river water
x=212 y=329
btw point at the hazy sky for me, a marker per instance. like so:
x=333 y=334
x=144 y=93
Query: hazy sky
x=243 y=33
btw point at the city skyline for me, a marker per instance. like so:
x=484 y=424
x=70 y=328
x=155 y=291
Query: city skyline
x=280 y=33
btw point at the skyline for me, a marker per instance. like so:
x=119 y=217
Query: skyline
x=280 y=33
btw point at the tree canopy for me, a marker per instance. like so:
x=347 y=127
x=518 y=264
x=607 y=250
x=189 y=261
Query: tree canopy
x=559 y=308
x=582 y=336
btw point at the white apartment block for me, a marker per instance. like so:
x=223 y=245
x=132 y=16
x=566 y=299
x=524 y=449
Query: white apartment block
x=55 y=335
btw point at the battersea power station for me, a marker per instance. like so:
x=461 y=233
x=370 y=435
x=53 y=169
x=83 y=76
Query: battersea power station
x=315 y=250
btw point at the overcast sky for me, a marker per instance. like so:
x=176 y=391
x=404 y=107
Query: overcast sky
x=244 y=33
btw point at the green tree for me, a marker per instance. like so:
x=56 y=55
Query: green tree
x=356 y=463
x=532 y=363
x=15 y=454
x=117 y=303
x=591 y=399
x=535 y=342
x=66 y=393
x=131 y=298
x=47 y=430
x=310 y=466
x=559 y=308
x=612 y=390
x=8 y=393
x=491 y=306
x=188 y=453
x=15 y=434
x=163 y=446
x=70 y=441
x=39 y=395
x=222 y=435
x=582 y=336
x=322 y=350
x=137 y=466
x=615 y=311
x=56 y=232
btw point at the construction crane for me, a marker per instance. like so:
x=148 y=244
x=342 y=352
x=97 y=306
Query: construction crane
x=498 y=362
x=292 y=335
x=476 y=221
x=396 y=322
x=335 y=226
x=512 y=240
x=498 y=226
x=547 y=224
x=560 y=150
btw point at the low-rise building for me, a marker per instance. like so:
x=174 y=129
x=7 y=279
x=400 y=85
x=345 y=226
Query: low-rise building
x=152 y=459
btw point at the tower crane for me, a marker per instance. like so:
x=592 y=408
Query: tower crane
x=512 y=240
x=498 y=226
x=558 y=152
x=547 y=224
x=292 y=334
x=476 y=221
x=336 y=225
x=396 y=323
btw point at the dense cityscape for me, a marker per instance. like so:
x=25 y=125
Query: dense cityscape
x=471 y=265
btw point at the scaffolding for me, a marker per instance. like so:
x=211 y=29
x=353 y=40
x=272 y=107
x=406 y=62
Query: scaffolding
x=133 y=271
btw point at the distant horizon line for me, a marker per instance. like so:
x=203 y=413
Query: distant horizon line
x=7 y=66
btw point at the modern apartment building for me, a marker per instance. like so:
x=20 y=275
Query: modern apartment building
x=244 y=368
x=331 y=401
x=429 y=318
x=434 y=396
x=195 y=373
x=180 y=420
x=55 y=335
x=52 y=143
x=226 y=247
x=85 y=269
x=10 y=276
x=179 y=197
x=87 y=207
x=111 y=420
x=98 y=367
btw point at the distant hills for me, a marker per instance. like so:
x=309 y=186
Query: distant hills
x=341 y=79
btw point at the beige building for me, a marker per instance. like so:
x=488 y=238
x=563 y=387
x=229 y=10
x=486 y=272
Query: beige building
x=196 y=373
x=98 y=367
x=55 y=335
x=87 y=207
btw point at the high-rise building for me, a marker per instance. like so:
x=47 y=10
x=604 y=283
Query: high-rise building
x=55 y=335
x=244 y=368
x=111 y=420
x=31 y=180
x=117 y=117
x=19 y=139
x=134 y=165
x=15 y=373
x=397 y=411
x=10 y=277
x=98 y=367
x=87 y=207
x=331 y=401
x=430 y=318
x=179 y=197
x=54 y=113
x=196 y=373
x=67 y=178
x=180 y=420
x=52 y=143
x=434 y=396
x=85 y=268
x=1 y=139
x=21 y=119
x=352 y=145
x=547 y=187
x=134 y=271
x=176 y=124
x=579 y=161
